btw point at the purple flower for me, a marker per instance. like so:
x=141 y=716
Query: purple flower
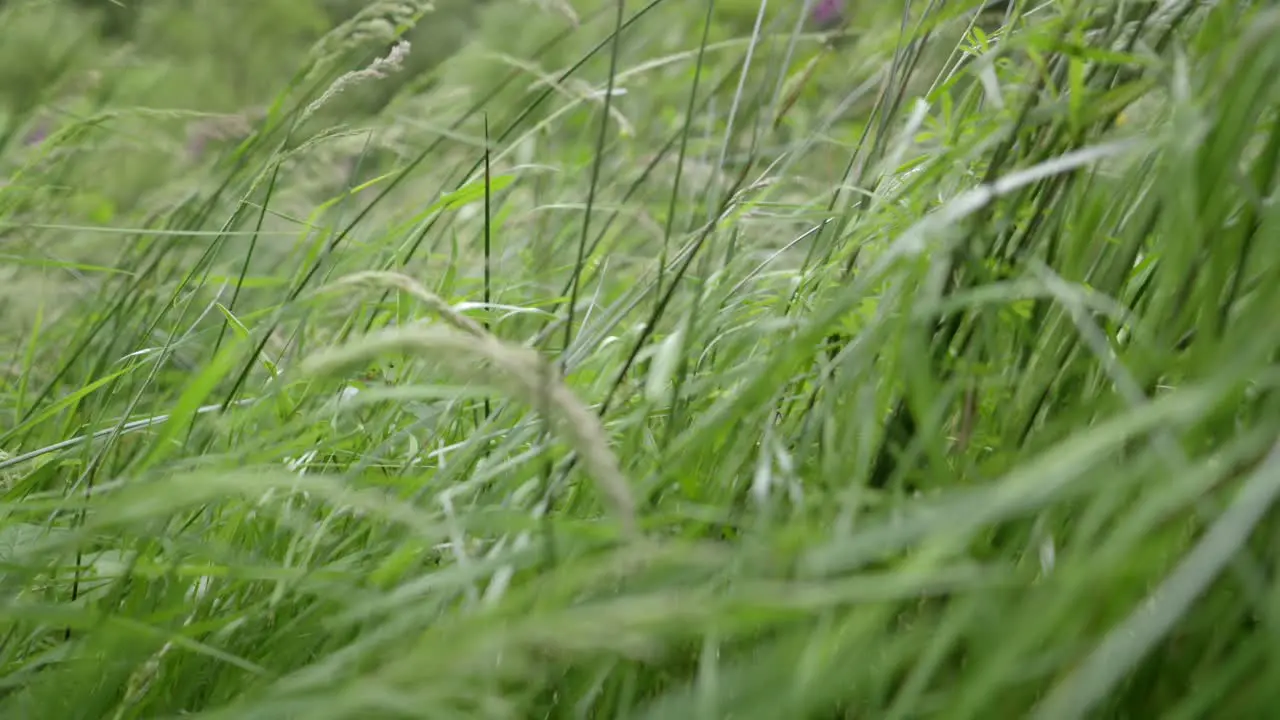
x=37 y=134
x=827 y=14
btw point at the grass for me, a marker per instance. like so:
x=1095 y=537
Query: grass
x=656 y=360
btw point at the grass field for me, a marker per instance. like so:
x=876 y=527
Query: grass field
x=595 y=359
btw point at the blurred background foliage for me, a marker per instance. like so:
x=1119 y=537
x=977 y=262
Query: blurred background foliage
x=123 y=100
x=64 y=59
x=115 y=113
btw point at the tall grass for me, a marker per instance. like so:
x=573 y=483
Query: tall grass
x=668 y=360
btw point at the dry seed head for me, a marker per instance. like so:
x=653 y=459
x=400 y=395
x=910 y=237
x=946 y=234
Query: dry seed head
x=469 y=349
x=377 y=70
x=377 y=24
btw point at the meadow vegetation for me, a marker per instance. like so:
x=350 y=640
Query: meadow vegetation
x=648 y=359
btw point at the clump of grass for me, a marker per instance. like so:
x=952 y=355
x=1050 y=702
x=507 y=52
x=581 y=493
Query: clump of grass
x=469 y=347
x=950 y=393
